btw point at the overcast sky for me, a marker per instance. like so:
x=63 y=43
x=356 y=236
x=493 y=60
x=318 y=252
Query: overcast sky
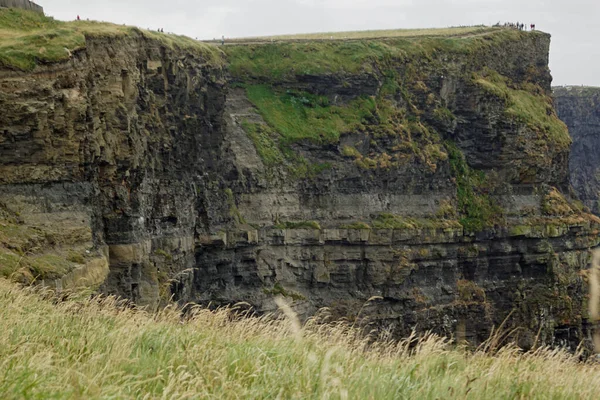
x=574 y=24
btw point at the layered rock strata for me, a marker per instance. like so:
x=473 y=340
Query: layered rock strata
x=407 y=183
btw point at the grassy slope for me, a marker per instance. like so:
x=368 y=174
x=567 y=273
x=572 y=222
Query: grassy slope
x=299 y=116
x=28 y=38
x=527 y=106
x=92 y=349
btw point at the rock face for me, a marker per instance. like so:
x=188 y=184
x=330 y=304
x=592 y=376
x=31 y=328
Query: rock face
x=117 y=142
x=579 y=108
x=22 y=4
x=405 y=183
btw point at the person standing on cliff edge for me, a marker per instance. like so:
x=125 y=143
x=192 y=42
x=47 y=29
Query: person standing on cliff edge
x=78 y=19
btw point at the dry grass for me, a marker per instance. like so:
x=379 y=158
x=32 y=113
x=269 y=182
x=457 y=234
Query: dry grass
x=377 y=34
x=99 y=349
x=28 y=38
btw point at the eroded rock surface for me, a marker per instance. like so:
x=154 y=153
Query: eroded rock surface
x=119 y=143
x=445 y=204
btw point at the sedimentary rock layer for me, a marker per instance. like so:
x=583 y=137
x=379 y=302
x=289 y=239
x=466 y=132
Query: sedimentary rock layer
x=420 y=183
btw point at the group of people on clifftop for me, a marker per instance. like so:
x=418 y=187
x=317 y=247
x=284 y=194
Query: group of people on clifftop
x=518 y=25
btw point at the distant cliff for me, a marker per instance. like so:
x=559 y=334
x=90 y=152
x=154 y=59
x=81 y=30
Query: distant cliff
x=22 y=4
x=427 y=174
x=579 y=108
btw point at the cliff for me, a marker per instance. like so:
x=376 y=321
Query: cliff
x=417 y=181
x=22 y=4
x=103 y=151
x=579 y=108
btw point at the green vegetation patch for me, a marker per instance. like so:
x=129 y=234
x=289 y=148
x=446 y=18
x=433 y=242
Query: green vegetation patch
x=10 y=263
x=287 y=59
x=299 y=116
x=469 y=291
x=393 y=221
x=28 y=268
x=555 y=204
x=266 y=142
x=279 y=290
x=28 y=38
x=477 y=209
x=164 y=254
x=296 y=116
x=30 y=253
x=234 y=212
x=275 y=152
x=357 y=226
x=531 y=107
x=20 y=246
x=49 y=266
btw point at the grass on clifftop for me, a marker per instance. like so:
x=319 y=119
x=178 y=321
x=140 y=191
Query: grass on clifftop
x=95 y=349
x=384 y=33
x=287 y=59
x=28 y=38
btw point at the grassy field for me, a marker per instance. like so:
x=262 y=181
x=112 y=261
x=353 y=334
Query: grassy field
x=96 y=349
x=28 y=38
x=375 y=34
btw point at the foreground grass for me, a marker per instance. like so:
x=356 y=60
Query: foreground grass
x=96 y=349
x=28 y=38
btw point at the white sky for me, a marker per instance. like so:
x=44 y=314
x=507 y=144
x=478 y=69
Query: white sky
x=574 y=55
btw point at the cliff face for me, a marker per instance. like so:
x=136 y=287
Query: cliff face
x=442 y=198
x=425 y=175
x=109 y=152
x=579 y=108
x=22 y=4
